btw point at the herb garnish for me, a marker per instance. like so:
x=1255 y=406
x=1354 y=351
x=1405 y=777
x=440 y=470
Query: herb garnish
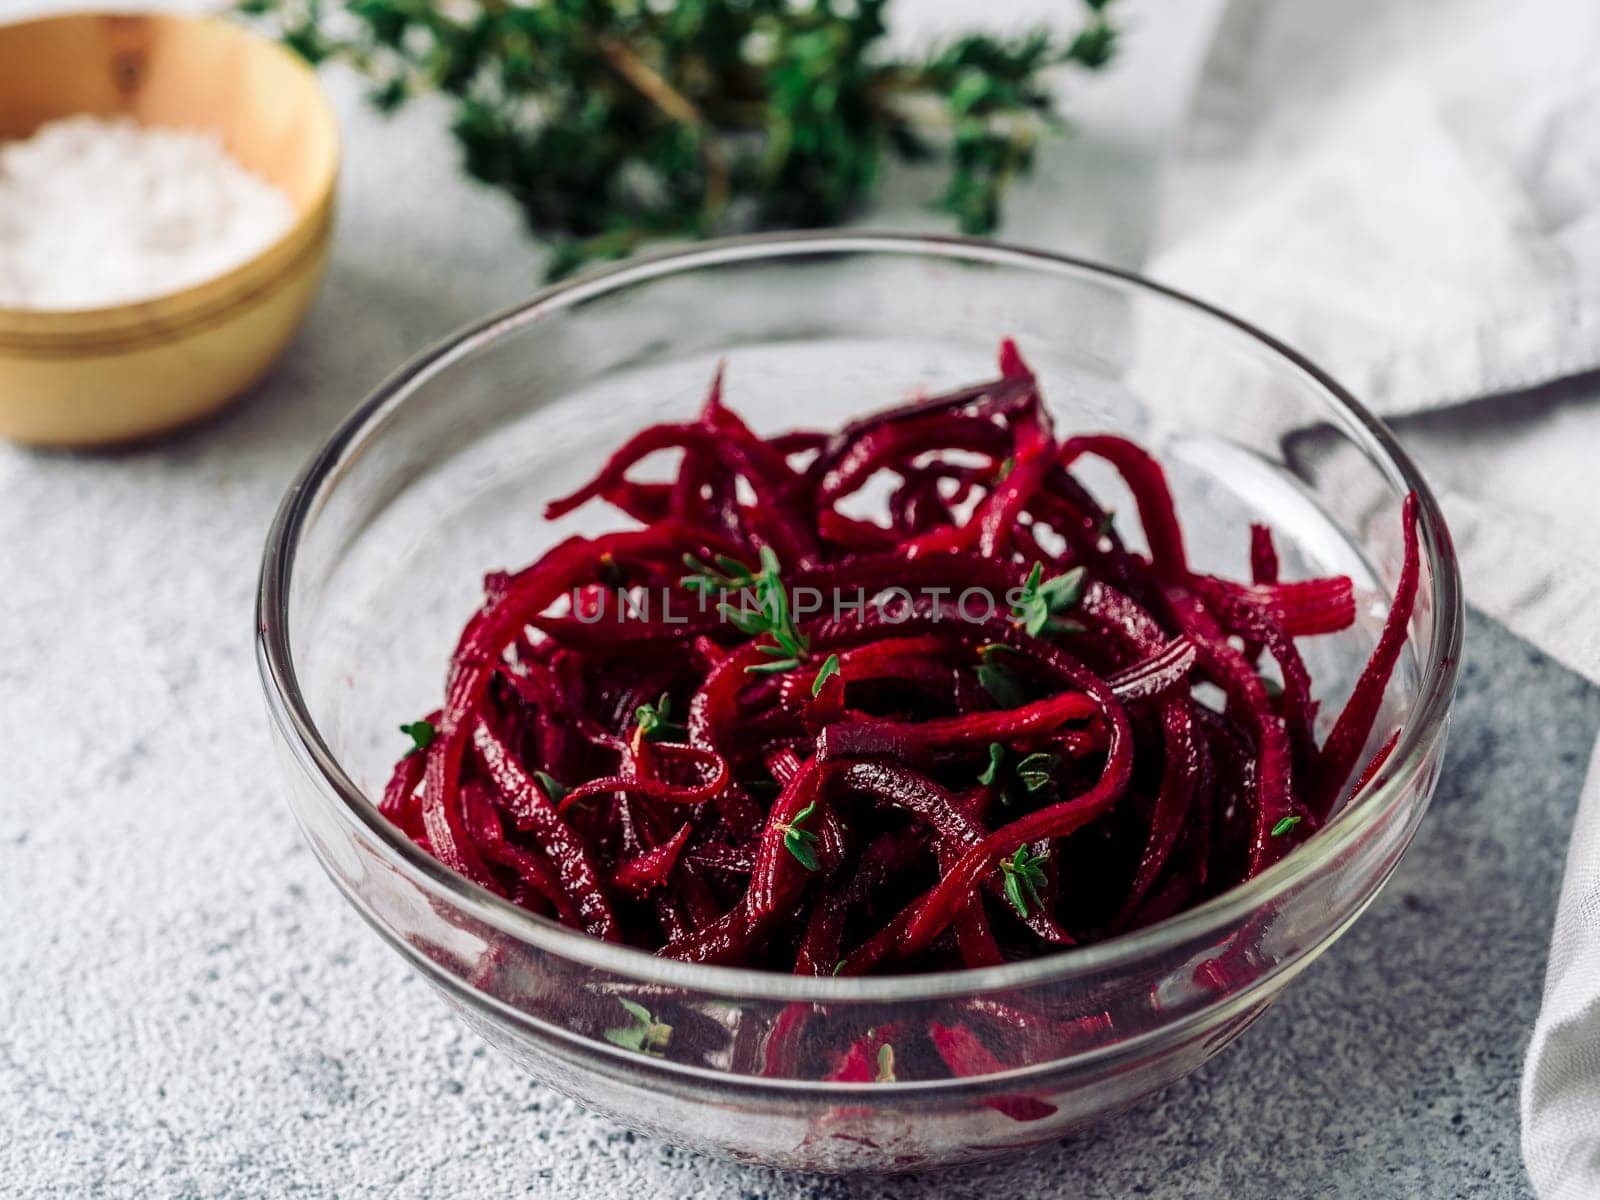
x=771 y=614
x=829 y=667
x=554 y=791
x=801 y=842
x=885 y=1064
x=1043 y=601
x=421 y=734
x=998 y=679
x=729 y=575
x=770 y=617
x=655 y=723
x=997 y=755
x=1037 y=771
x=1024 y=875
x=643 y=1034
x=615 y=122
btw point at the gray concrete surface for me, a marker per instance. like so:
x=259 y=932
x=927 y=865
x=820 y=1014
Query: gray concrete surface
x=188 y=1010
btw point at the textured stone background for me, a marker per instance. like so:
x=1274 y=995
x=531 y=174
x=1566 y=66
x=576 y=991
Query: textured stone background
x=187 y=1009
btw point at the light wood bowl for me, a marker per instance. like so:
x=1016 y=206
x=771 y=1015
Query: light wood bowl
x=105 y=375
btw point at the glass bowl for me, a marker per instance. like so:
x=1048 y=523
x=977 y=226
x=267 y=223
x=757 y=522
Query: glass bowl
x=376 y=559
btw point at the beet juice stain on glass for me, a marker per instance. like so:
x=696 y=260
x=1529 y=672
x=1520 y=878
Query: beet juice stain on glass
x=870 y=795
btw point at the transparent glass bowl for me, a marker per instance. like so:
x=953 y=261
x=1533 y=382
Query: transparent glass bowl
x=376 y=557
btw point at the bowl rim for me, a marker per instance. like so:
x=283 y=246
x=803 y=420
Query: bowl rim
x=1419 y=735
x=166 y=316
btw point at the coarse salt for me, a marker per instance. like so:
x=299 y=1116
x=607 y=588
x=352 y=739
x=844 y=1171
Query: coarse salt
x=97 y=211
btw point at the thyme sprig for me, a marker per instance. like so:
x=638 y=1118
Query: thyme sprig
x=1024 y=876
x=655 y=721
x=555 y=791
x=801 y=843
x=643 y=1033
x=727 y=575
x=1042 y=601
x=1035 y=772
x=616 y=122
x=771 y=617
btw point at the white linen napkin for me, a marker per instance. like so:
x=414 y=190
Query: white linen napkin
x=1409 y=192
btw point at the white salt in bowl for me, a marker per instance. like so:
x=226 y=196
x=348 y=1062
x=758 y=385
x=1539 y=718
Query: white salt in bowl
x=97 y=376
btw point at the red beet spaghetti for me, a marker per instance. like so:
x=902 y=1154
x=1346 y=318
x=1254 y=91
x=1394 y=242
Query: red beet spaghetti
x=757 y=731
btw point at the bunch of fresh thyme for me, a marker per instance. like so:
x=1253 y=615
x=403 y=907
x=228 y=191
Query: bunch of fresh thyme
x=614 y=122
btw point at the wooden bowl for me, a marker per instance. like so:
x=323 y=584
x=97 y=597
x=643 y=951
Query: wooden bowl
x=104 y=375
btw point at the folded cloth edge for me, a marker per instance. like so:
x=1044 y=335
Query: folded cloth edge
x=1560 y=1106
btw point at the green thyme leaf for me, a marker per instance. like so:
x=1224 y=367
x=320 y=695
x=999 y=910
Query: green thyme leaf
x=729 y=575
x=421 y=734
x=1015 y=895
x=643 y=1034
x=772 y=668
x=997 y=755
x=655 y=723
x=1036 y=615
x=1043 y=601
x=1030 y=586
x=801 y=842
x=829 y=667
x=638 y=1011
x=802 y=845
x=1002 y=684
x=554 y=791
x=629 y=1037
x=1037 y=771
x=885 y=1064
x=1065 y=590
x=747 y=622
x=1024 y=875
